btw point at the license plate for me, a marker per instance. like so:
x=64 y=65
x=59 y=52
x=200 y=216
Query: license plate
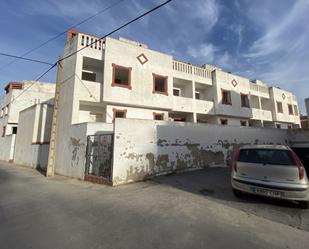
x=272 y=193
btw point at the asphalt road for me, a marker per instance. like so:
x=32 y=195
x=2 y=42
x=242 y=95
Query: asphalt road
x=190 y=210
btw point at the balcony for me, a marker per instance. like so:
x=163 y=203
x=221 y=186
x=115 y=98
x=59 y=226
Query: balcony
x=260 y=114
x=182 y=104
x=259 y=90
x=191 y=72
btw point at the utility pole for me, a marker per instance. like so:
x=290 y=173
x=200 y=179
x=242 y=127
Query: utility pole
x=50 y=171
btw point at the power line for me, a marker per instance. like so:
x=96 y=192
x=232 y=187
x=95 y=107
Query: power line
x=26 y=59
x=40 y=77
x=60 y=34
x=115 y=30
x=110 y=33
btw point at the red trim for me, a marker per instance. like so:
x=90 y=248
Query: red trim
x=119 y=110
x=223 y=90
x=129 y=86
x=139 y=59
x=243 y=94
x=158 y=114
x=40 y=143
x=13 y=85
x=98 y=180
x=166 y=84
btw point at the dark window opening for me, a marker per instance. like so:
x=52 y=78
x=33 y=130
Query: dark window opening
x=223 y=121
x=158 y=116
x=279 y=107
x=88 y=76
x=226 y=97
x=120 y=114
x=278 y=126
x=245 y=101
x=176 y=92
x=290 y=107
x=197 y=95
x=14 y=130
x=243 y=123
x=3 y=131
x=160 y=84
x=121 y=76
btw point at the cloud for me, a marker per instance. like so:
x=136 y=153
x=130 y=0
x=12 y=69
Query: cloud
x=203 y=52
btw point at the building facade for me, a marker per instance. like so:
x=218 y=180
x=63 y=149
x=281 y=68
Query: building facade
x=16 y=100
x=123 y=78
x=119 y=78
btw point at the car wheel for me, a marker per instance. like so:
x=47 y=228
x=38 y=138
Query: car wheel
x=304 y=204
x=237 y=193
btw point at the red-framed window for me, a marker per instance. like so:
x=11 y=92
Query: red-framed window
x=158 y=116
x=226 y=97
x=119 y=113
x=121 y=76
x=159 y=84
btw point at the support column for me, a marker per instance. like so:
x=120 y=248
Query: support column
x=50 y=170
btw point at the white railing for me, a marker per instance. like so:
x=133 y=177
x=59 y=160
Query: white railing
x=262 y=114
x=258 y=88
x=191 y=69
x=91 y=42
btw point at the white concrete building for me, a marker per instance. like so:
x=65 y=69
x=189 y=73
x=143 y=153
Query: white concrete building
x=11 y=106
x=122 y=78
x=119 y=78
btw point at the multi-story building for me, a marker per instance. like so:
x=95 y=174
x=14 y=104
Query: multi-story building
x=100 y=80
x=123 y=78
x=16 y=100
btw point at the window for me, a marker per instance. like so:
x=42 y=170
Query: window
x=289 y=126
x=279 y=107
x=244 y=100
x=176 y=91
x=119 y=113
x=197 y=95
x=243 y=123
x=14 y=130
x=223 y=121
x=226 y=97
x=158 y=116
x=278 y=126
x=159 y=84
x=88 y=76
x=266 y=156
x=3 y=131
x=295 y=110
x=290 y=107
x=121 y=76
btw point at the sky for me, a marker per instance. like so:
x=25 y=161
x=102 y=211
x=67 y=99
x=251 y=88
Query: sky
x=257 y=39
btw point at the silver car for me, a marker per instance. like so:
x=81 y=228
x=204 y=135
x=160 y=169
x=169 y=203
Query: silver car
x=270 y=170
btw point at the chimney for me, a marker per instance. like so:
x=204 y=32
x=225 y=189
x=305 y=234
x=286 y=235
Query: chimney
x=71 y=33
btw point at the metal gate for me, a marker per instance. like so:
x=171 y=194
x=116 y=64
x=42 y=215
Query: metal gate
x=99 y=158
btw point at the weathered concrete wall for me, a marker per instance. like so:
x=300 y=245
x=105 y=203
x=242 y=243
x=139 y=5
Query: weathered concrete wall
x=72 y=158
x=7 y=144
x=32 y=140
x=145 y=148
x=298 y=137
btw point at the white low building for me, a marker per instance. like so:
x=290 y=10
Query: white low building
x=19 y=96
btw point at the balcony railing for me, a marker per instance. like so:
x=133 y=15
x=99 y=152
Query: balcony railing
x=262 y=114
x=191 y=69
x=193 y=105
x=258 y=88
x=91 y=41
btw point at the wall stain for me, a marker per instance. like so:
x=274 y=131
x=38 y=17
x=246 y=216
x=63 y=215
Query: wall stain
x=76 y=147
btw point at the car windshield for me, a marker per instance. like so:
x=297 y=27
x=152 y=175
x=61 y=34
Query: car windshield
x=266 y=156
